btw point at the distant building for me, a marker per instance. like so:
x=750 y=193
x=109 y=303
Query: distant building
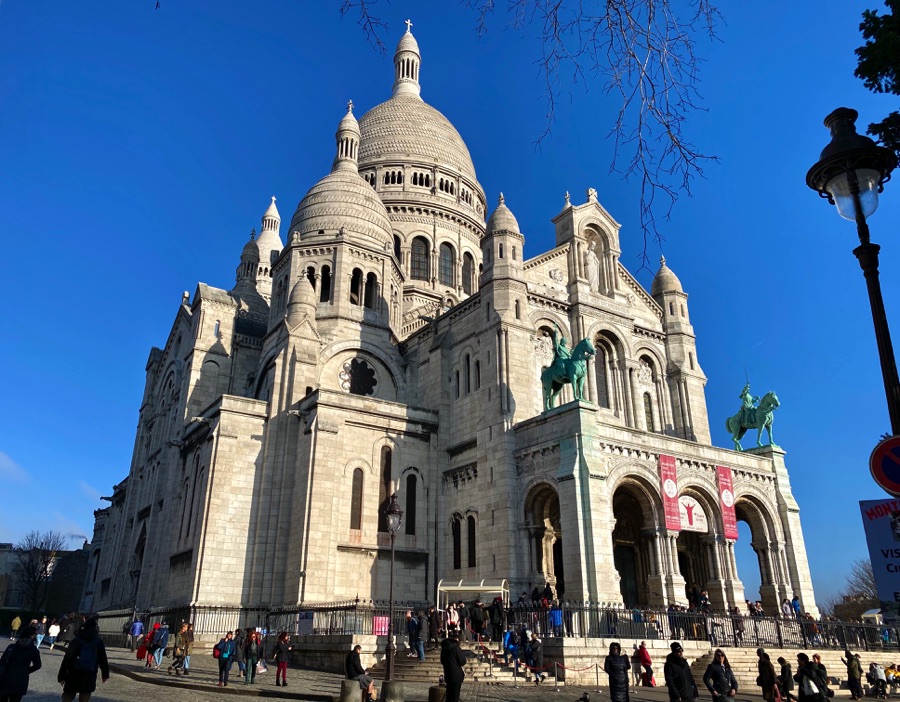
x=394 y=344
x=62 y=590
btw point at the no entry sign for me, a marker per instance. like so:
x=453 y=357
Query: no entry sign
x=885 y=465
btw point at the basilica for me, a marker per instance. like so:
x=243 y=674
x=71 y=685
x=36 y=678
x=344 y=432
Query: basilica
x=390 y=340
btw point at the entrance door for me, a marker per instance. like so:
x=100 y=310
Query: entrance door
x=625 y=562
x=558 y=569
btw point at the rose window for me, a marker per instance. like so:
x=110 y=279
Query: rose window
x=358 y=377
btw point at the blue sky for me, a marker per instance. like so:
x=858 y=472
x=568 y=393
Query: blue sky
x=139 y=146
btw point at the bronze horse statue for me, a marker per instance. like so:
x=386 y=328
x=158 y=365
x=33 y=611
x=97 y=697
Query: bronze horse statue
x=567 y=370
x=758 y=418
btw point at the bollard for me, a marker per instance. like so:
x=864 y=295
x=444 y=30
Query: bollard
x=436 y=693
x=597 y=670
x=392 y=691
x=350 y=691
x=556 y=676
x=515 y=674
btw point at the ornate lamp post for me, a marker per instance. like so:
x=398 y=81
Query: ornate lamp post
x=850 y=173
x=394 y=519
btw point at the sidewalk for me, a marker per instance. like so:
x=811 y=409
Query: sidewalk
x=318 y=686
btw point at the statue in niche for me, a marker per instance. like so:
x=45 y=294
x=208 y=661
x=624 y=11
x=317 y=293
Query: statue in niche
x=592 y=267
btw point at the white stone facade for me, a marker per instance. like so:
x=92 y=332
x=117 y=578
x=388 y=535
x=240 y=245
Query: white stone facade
x=393 y=344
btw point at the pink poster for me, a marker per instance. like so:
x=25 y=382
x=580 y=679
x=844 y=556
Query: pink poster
x=669 y=492
x=726 y=500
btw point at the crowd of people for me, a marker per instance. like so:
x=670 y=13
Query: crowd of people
x=84 y=657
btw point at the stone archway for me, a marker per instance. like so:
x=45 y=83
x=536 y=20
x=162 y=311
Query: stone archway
x=633 y=555
x=544 y=536
x=769 y=551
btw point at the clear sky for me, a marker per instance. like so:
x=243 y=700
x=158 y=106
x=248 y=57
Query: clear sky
x=139 y=146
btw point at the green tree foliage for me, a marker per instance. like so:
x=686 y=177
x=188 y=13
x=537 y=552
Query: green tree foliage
x=879 y=66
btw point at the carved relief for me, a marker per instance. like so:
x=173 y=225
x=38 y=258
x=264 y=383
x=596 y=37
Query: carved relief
x=545 y=460
x=645 y=374
x=543 y=350
x=557 y=275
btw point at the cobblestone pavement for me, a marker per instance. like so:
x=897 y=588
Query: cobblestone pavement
x=130 y=681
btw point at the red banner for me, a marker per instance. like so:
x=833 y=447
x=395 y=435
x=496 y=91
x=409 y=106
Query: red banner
x=669 y=492
x=726 y=501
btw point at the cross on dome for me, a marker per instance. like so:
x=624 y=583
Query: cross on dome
x=350 y=107
x=408 y=27
x=501 y=200
x=662 y=260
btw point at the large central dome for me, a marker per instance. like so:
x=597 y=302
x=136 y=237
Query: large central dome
x=407 y=128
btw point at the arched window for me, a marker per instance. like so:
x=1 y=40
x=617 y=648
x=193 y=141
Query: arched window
x=518 y=310
x=477 y=374
x=356 y=496
x=672 y=308
x=384 y=489
x=500 y=251
x=448 y=262
x=457 y=385
x=456 y=530
x=648 y=412
x=311 y=276
x=410 y=504
x=468 y=271
x=371 y=290
x=471 y=521
x=467 y=376
x=419 y=259
x=355 y=285
x=397 y=251
x=601 y=362
x=691 y=359
x=513 y=253
x=325 y=292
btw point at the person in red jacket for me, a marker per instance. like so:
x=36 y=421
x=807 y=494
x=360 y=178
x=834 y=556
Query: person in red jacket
x=647 y=663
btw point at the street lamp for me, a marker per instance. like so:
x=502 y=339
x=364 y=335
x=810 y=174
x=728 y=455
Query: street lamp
x=394 y=518
x=850 y=173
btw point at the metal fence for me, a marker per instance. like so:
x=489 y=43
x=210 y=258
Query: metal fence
x=586 y=620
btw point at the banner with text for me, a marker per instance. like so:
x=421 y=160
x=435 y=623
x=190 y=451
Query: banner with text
x=669 y=492
x=881 y=522
x=726 y=502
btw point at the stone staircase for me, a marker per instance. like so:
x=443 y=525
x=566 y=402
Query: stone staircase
x=478 y=667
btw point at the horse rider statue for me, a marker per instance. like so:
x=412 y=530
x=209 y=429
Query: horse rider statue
x=568 y=366
x=755 y=413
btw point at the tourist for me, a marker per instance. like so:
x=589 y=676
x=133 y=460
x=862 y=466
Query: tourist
x=240 y=638
x=854 y=675
x=511 y=646
x=786 y=681
x=616 y=666
x=355 y=671
x=719 y=678
x=188 y=648
x=160 y=641
x=15 y=626
x=134 y=633
x=68 y=633
x=226 y=652
x=252 y=654
x=787 y=610
x=737 y=623
x=795 y=605
x=809 y=679
x=180 y=650
x=282 y=655
x=477 y=621
x=766 y=678
x=453 y=660
x=452 y=618
x=879 y=677
x=679 y=680
x=635 y=666
x=52 y=633
x=84 y=656
x=150 y=646
x=19 y=660
x=434 y=626
x=537 y=659
x=647 y=664
x=463 y=612
x=495 y=615
x=556 y=619
x=40 y=629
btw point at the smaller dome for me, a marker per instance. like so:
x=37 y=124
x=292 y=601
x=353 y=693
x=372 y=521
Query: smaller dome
x=408 y=43
x=502 y=219
x=665 y=280
x=251 y=250
x=349 y=123
x=272 y=211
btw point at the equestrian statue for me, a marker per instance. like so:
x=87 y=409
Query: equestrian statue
x=755 y=413
x=568 y=366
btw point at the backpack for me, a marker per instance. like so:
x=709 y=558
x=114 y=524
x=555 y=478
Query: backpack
x=513 y=639
x=87 y=656
x=217 y=652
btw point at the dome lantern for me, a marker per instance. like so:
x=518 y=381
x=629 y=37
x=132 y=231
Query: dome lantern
x=347 y=142
x=407 y=61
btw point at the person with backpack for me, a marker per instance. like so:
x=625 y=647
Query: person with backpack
x=511 y=646
x=225 y=651
x=19 y=661
x=84 y=656
x=160 y=641
x=135 y=630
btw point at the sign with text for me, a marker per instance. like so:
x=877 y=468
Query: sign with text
x=692 y=516
x=305 y=623
x=881 y=522
x=669 y=492
x=726 y=502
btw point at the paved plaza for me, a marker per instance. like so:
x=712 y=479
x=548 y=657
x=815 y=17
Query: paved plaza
x=131 y=681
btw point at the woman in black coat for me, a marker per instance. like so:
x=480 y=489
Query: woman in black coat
x=719 y=678
x=537 y=659
x=453 y=660
x=786 y=681
x=19 y=661
x=809 y=676
x=617 y=666
x=679 y=680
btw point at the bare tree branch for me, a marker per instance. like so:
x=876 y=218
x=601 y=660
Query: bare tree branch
x=373 y=27
x=35 y=557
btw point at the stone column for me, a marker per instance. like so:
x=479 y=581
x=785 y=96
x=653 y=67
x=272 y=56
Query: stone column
x=656 y=586
x=734 y=588
x=637 y=416
x=715 y=586
x=674 y=581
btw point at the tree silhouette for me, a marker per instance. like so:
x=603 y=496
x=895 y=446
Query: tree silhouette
x=879 y=66
x=35 y=557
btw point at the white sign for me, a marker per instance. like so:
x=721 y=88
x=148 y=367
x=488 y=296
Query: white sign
x=881 y=521
x=693 y=518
